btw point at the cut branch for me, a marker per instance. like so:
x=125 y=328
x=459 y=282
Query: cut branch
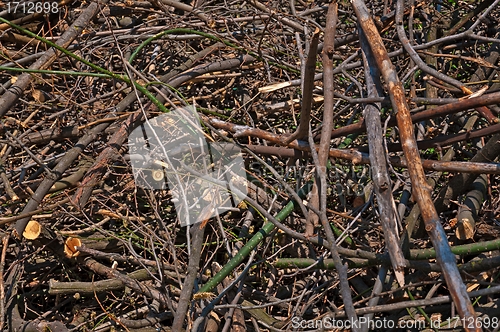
x=421 y=191
x=307 y=91
x=378 y=162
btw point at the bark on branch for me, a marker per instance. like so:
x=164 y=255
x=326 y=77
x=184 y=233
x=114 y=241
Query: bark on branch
x=420 y=188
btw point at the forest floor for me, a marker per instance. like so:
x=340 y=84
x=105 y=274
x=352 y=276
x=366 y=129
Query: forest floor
x=249 y=166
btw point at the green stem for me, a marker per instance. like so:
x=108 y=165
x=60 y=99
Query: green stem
x=465 y=249
x=422 y=312
x=91 y=65
x=252 y=243
x=107 y=73
x=415 y=254
x=53 y=72
x=338 y=232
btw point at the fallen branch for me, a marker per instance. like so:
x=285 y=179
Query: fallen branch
x=421 y=191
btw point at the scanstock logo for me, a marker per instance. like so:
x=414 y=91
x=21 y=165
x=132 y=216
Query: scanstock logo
x=205 y=178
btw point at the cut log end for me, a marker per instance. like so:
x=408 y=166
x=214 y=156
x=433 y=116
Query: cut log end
x=70 y=246
x=32 y=230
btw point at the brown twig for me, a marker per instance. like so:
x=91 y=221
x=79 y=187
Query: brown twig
x=126 y=280
x=321 y=159
x=453 y=107
x=49 y=181
x=307 y=92
x=192 y=272
x=5 y=243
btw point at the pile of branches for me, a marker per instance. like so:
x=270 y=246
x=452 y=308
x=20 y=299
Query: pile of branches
x=368 y=134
